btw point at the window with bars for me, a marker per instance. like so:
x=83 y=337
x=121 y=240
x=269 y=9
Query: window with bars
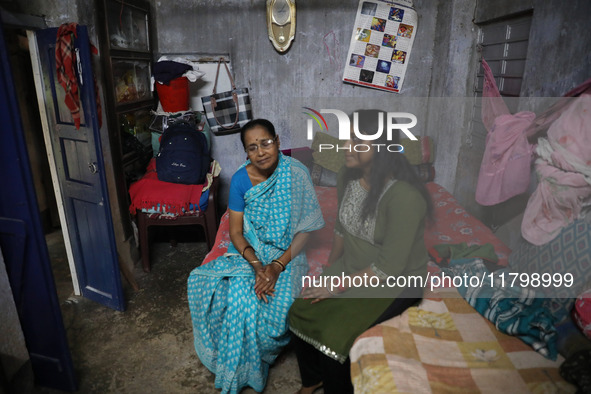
x=503 y=44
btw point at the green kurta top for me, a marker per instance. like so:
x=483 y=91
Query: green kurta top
x=392 y=243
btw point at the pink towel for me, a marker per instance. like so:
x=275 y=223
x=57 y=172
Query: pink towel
x=506 y=164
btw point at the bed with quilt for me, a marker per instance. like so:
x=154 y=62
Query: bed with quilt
x=487 y=338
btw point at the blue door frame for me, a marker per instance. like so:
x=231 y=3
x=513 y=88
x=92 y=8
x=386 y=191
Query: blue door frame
x=24 y=247
x=81 y=173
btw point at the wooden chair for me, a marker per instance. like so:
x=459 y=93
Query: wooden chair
x=208 y=220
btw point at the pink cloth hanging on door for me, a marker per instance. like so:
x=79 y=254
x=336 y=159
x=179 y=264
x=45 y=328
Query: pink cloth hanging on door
x=505 y=168
x=493 y=104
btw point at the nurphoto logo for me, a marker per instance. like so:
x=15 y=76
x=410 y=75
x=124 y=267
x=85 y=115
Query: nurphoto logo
x=345 y=129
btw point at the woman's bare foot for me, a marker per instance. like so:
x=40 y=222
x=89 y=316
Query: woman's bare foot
x=309 y=390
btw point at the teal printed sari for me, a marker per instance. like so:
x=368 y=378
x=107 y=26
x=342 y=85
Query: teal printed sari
x=237 y=336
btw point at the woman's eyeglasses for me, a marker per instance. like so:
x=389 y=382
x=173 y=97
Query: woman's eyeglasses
x=265 y=144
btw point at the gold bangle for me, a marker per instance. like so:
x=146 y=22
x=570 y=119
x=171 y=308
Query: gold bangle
x=254 y=262
x=280 y=263
x=246 y=247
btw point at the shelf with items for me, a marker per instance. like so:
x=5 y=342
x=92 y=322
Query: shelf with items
x=136 y=141
x=128 y=25
x=131 y=79
x=136 y=123
x=125 y=43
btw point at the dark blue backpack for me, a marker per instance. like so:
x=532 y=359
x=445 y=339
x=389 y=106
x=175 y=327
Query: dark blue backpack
x=183 y=156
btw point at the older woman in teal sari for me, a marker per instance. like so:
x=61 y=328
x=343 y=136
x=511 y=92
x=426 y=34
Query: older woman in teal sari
x=239 y=302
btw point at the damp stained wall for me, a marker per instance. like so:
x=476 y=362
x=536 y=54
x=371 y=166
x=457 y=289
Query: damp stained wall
x=312 y=68
x=442 y=64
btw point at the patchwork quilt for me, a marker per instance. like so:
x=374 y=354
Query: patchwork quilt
x=444 y=346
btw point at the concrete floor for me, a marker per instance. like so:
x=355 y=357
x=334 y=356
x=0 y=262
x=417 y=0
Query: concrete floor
x=149 y=347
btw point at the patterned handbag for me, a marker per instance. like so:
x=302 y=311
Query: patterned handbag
x=227 y=112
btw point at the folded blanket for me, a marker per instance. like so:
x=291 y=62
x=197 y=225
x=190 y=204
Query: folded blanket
x=150 y=192
x=513 y=310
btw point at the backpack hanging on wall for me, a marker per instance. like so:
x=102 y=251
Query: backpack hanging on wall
x=183 y=156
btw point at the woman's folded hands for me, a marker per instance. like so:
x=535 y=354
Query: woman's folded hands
x=265 y=279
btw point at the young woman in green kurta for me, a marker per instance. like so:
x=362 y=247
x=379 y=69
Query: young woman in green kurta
x=378 y=234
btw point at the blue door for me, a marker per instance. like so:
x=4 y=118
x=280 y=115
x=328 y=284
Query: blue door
x=79 y=160
x=24 y=249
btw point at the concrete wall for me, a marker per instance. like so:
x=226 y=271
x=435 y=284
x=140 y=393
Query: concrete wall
x=56 y=12
x=558 y=59
x=442 y=64
x=312 y=68
x=455 y=41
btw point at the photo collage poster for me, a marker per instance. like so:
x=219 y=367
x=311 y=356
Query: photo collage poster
x=380 y=45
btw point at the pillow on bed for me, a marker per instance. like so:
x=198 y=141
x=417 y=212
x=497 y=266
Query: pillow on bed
x=420 y=151
x=452 y=224
x=568 y=253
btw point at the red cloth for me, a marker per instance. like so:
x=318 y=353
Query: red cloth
x=149 y=192
x=65 y=64
x=582 y=312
